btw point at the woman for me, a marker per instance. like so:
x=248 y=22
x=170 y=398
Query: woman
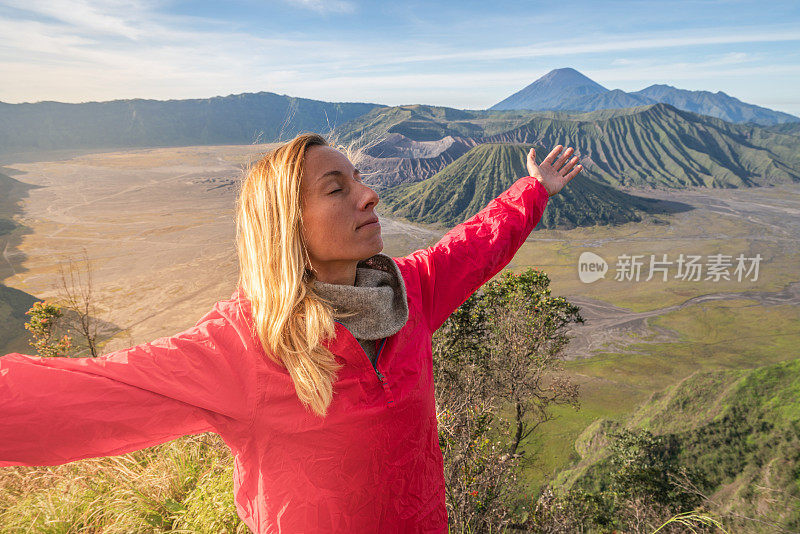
x=316 y=372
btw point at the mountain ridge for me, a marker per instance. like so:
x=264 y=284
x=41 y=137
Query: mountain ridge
x=469 y=183
x=235 y=119
x=647 y=146
x=565 y=90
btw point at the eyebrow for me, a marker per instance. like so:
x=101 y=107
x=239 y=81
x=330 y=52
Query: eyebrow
x=336 y=173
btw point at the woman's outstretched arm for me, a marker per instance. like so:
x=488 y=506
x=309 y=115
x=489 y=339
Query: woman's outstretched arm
x=58 y=410
x=474 y=251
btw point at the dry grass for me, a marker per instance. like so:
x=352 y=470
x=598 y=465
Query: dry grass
x=178 y=486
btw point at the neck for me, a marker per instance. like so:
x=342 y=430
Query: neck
x=342 y=273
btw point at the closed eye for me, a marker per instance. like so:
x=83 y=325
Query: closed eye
x=334 y=191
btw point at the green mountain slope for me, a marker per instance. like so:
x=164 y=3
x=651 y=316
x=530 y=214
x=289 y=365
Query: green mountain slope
x=469 y=183
x=416 y=122
x=717 y=104
x=660 y=146
x=789 y=128
x=648 y=146
x=426 y=123
x=738 y=430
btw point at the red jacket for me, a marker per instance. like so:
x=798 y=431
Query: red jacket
x=373 y=465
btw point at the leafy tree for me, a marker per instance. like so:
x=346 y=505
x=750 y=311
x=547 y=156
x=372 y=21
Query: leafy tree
x=43 y=325
x=499 y=350
x=524 y=331
x=636 y=489
x=641 y=466
x=642 y=470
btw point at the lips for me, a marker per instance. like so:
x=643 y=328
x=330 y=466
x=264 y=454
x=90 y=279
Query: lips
x=370 y=221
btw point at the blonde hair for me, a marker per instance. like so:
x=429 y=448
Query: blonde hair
x=289 y=318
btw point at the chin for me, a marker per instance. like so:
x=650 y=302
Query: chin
x=368 y=247
x=376 y=249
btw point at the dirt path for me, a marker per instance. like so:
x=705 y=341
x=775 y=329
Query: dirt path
x=609 y=327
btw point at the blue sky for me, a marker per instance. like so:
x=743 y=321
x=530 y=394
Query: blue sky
x=464 y=54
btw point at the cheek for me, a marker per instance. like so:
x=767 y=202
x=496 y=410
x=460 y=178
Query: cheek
x=323 y=226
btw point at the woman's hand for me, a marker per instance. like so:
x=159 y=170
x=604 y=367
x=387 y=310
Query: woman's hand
x=554 y=173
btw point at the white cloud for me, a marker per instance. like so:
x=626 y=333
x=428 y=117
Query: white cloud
x=625 y=61
x=701 y=70
x=113 y=17
x=324 y=5
x=712 y=60
x=600 y=44
x=736 y=58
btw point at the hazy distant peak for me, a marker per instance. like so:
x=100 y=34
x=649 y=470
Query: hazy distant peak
x=569 y=77
x=554 y=90
x=569 y=90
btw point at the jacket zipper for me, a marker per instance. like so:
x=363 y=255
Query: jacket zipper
x=381 y=378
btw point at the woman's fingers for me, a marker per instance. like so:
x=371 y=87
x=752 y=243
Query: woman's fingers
x=562 y=162
x=568 y=167
x=551 y=157
x=563 y=158
x=574 y=172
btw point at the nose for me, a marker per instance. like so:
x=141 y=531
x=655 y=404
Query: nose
x=369 y=199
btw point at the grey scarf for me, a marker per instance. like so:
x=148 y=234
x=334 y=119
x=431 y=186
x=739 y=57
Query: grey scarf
x=377 y=300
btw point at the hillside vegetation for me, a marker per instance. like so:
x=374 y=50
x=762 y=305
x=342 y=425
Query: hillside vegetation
x=737 y=434
x=649 y=146
x=661 y=146
x=469 y=183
